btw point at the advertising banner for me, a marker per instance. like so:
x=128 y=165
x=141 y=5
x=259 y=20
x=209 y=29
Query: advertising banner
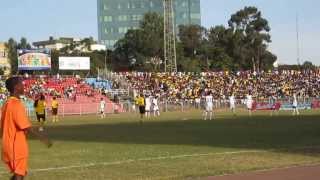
x=74 y=63
x=315 y=105
x=301 y=106
x=35 y=59
x=266 y=106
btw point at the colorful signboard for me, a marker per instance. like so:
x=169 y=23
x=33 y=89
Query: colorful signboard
x=35 y=59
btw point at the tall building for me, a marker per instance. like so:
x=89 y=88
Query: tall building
x=116 y=17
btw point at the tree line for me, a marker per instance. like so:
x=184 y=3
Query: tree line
x=240 y=45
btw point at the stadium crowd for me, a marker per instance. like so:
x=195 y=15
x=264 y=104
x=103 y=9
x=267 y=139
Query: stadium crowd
x=175 y=86
x=184 y=86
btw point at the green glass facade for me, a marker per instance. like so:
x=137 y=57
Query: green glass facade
x=116 y=17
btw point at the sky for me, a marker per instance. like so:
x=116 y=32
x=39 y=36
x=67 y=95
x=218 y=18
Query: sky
x=38 y=19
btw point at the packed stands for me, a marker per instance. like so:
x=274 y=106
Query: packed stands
x=282 y=84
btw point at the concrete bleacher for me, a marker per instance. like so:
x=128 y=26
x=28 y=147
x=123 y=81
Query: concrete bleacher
x=80 y=102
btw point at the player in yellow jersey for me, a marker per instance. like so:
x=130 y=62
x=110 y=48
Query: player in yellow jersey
x=136 y=103
x=54 y=108
x=142 y=108
x=40 y=107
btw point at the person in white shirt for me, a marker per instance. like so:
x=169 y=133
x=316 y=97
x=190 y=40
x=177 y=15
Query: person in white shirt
x=102 y=108
x=156 y=111
x=249 y=103
x=295 y=105
x=209 y=106
x=198 y=102
x=148 y=106
x=232 y=103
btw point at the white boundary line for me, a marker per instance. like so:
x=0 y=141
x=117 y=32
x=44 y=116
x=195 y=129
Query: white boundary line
x=308 y=164
x=138 y=160
x=152 y=159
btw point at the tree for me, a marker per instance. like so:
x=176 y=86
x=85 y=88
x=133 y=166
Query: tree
x=139 y=48
x=308 y=65
x=219 y=49
x=128 y=50
x=191 y=38
x=86 y=43
x=251 y=32
x=153 y=37
x=55 y=61
x=23 y=44
x=11 y=45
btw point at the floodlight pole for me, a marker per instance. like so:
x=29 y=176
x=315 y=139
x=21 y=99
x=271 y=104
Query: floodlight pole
x=170 y=57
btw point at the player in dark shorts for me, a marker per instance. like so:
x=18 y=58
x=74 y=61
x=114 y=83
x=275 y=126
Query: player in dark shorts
x=54 y=109
x=40 y=107
x=142 y=107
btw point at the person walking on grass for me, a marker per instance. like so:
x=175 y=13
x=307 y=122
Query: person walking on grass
x=249 y=103
x=54 y=106
x=102 y=108
x=155 y=105
x=209 y=106
x=148 y=105
x=142 y=108
x=295 y=106
x=15 y=125
x=40 y=106
x=232 y=103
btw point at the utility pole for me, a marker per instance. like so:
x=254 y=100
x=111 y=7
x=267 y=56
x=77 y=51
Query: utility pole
x=298 y=40
x=170 y=57
x=105 y=63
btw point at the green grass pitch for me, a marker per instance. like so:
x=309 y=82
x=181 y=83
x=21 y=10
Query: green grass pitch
x=178 y=145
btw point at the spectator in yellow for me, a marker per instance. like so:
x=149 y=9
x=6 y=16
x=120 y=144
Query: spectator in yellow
x=54 y=106
x=40 y=107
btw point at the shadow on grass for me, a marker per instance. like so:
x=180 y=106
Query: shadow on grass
x=262 y=132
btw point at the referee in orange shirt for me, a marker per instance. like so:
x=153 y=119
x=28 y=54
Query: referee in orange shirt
x=15 y=125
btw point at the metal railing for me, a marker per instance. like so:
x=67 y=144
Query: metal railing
x=164 y=106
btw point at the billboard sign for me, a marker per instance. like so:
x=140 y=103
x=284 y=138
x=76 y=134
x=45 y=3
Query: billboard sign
x=74 y=63
x=35 y=59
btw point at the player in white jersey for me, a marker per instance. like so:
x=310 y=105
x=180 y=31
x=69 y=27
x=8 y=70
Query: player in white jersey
x=295 y=105
x=102 y=108
x=155 y=105
x=148 y=106
x=209 y=106
x=249 y=103
x=232 y=103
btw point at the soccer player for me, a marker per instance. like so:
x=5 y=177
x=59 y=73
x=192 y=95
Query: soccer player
x=54 y=106
x=41 y=111
x=102 y=108
x=249 y=103
x=141 y=103
x=232 y=103
x=15 y=125
x=295 y=105
x=274 y=105
x=209 y=106
x=148 y=106
x=156 y=111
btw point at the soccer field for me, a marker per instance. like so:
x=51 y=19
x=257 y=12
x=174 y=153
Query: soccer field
x=178 y=145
